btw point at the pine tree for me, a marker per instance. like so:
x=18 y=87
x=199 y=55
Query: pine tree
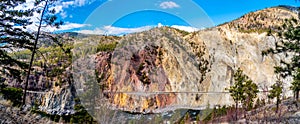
x=47 y=18
x=289 y=45
x=276 y=92
x=296 y=84
x=251 y=91
x=243 y=90
x=13 y=36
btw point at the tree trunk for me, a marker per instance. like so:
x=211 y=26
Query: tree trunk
x=277 y=104
x=33 y=53
x=297 y=94
x=236 y=111
x=244 y=111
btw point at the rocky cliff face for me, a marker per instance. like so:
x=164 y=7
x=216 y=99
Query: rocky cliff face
x=162 y=69
x=262 y=20
x=59 y=101
x=147 y=63
x=159 y=70
x=176 y=68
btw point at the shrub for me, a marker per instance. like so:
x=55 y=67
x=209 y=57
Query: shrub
x=13 y=94
x=106 y=47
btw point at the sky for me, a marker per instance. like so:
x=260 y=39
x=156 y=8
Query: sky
x=115 y=17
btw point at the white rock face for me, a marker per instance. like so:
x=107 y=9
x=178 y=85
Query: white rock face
x=60 y=102
x=231 y=50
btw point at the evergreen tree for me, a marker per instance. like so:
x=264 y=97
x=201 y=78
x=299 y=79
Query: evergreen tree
x=276 y=92
x=289 y=45
x=296 y=84
x=47 y=18
x=251 y=91
x=243 y=90
x=13 y=36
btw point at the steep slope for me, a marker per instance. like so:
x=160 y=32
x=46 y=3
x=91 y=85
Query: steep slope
x=157 y=70
x=262 y=20
x=239 y=44
x=148 y=69
x=164 y=69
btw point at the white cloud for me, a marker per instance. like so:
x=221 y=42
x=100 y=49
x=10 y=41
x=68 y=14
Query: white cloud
x=66 y=26
x=185 y=28
x=67 y=4
x=180 y=27
x=118 y=30
x=83 y=2
x=59 y=7
x=95 y=31
x=63 y=14
x=159 y=25
x=110 y=30
x=29 y=4
x=168 y=5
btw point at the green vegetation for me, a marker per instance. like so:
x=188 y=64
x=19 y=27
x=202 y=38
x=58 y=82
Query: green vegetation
x=204 y=65
x=23 y=54
x=47 y=18
x=254 y=30
x=15 y=37
x=12 y=37
x=296 y=84
x=250 y=92
x=55 y=59
x=276 y=92
x=12 y=94
x=288 y=44
x=243 y=90
x=182 y=32
x=84 y=48
x=216 y=112
x=259 y=103
x=106 y=47
x=204 y=116
x=81 y=116
x=90 y=95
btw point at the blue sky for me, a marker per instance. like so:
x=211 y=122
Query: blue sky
x=127 y=16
